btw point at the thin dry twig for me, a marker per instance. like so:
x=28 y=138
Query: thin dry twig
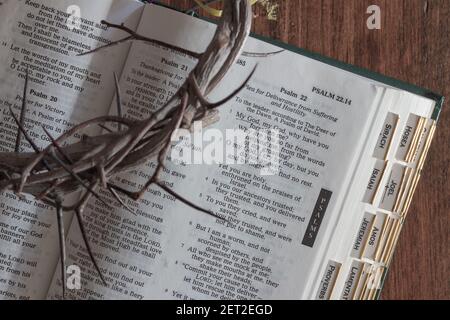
x=133 y=36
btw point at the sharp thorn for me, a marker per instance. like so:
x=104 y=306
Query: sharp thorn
x=88 y=245
x=187 y=202
x=28 y=138
x=106 y=46
x=118 y=100
x=62 y=245
x=56 y=145
x=105 y=128
x=103 y=178
x=22 y=114
x=129 y=194
x=117 y=197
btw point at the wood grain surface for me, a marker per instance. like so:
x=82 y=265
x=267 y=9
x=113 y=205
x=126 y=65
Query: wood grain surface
x=412 y=45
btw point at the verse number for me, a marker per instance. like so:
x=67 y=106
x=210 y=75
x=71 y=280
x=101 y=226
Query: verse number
x=344 y=100
x=53 y=99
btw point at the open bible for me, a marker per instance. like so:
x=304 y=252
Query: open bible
x=318 y=221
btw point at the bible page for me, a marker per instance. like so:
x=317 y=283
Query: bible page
x=43 y=38
x=279 y=212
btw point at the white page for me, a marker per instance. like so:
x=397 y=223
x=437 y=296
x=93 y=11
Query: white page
x=27 y=265
x=174 y=252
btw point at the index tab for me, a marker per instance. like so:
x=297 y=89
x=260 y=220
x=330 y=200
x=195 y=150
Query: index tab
x=385 y=137
x=328 y=280
x=363 y=234
x=374 y=236
x=408 y=136
x=374 y=181
x=352 y=280
x=392 y=187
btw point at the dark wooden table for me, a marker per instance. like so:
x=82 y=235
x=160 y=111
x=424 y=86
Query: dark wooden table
x=413 y=45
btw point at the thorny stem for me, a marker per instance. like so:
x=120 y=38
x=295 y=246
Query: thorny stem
x=137 y=37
